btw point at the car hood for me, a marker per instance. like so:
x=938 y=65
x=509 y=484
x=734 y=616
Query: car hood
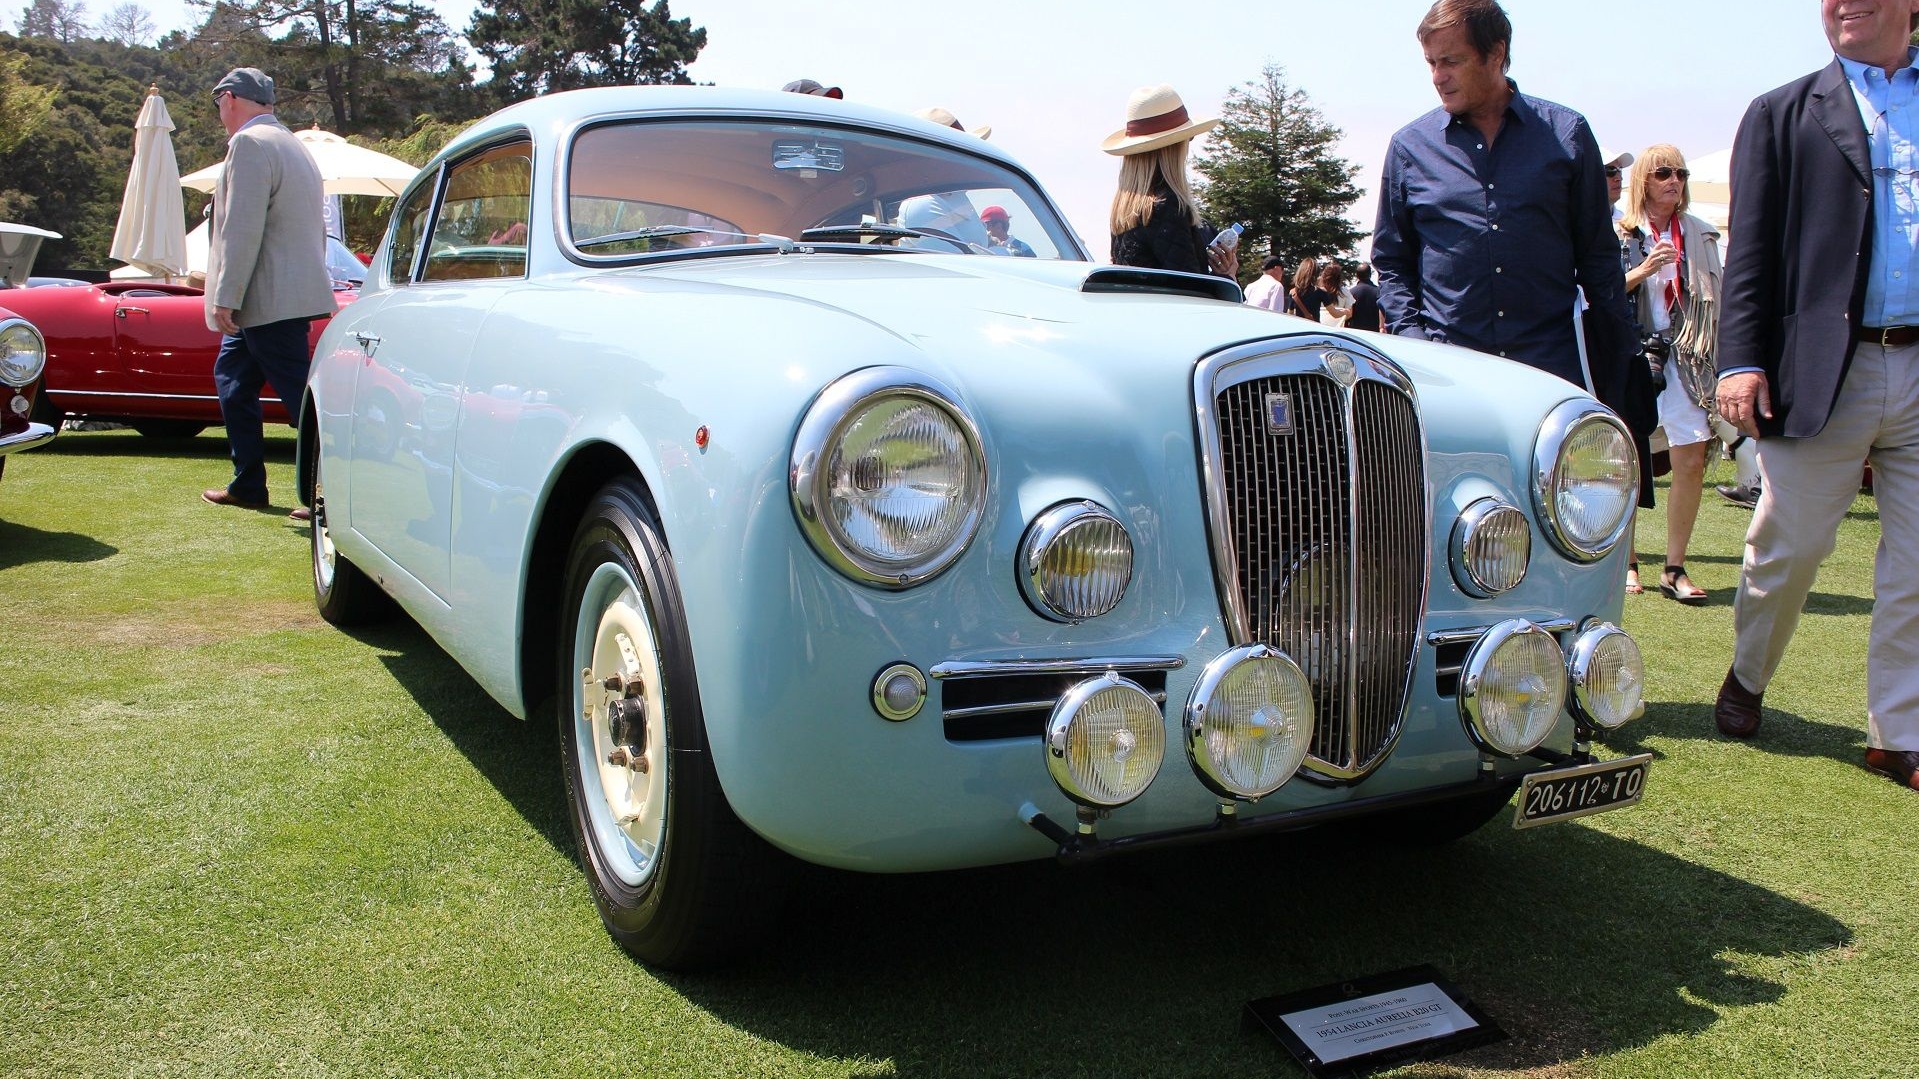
x=968 y=314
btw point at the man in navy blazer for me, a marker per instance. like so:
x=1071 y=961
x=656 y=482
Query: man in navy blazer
x=1819 y=356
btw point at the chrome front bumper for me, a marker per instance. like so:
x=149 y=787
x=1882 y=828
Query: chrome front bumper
x=36 y=434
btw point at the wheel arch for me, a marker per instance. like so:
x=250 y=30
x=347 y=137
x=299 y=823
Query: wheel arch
x=306 y=451
x=591 y=467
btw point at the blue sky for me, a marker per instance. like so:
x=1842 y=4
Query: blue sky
x=1052 y=76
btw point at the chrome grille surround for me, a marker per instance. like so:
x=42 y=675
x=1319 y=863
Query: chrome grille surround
x=1283 y=510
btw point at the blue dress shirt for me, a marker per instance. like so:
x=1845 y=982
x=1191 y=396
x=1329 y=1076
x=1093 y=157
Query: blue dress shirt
x=1886 y=108
x=1484 y=245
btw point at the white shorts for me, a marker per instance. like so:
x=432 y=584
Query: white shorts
x=1683 y=421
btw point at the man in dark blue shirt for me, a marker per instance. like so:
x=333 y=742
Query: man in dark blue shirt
x=1493 y=213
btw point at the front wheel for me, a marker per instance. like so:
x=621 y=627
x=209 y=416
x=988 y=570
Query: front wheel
x=679 y=881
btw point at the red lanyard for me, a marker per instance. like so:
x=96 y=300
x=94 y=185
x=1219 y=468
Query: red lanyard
x=1677 y=286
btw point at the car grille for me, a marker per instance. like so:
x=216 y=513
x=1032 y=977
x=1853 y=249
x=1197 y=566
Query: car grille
x=1321 y=539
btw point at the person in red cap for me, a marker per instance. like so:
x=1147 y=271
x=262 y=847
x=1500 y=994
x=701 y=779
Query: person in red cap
x=999 y=241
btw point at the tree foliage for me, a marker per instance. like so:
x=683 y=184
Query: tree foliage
x=1271 y=164
x=61 y=20
x=127 y=24
x=24 y=106
x=540 y=46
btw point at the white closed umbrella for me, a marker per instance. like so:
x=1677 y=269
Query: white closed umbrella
x=152 y=233
x=345 y=169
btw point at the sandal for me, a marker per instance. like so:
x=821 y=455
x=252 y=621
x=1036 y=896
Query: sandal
x=1633 y=587
x=1674 y=584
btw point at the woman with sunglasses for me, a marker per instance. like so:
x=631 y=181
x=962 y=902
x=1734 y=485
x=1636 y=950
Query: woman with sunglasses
x=1675 y=272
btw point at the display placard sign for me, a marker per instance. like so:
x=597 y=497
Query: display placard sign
x=1355 y=1027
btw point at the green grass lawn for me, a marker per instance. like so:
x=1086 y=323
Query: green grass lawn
x=236 y=841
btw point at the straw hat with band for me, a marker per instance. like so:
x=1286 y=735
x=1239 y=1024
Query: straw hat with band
x=1155 y=117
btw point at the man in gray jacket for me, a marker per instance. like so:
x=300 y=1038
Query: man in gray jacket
x=266 y=274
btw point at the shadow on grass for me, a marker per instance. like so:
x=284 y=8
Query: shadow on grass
x=280 y=444
x=1785 y=734
x=519 y=758
x=22 y=545
x=1576 y=942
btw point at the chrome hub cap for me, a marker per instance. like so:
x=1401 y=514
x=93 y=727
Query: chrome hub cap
x=620 y=724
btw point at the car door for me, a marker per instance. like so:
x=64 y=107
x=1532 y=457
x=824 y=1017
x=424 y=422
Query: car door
x=163 y=349
x=416 y=345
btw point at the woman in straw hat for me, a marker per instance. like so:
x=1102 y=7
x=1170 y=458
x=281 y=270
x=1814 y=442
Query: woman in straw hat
x=1155 y=222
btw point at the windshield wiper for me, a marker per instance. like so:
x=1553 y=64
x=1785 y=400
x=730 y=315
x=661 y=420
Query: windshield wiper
x=655 y=231
x=886 y=232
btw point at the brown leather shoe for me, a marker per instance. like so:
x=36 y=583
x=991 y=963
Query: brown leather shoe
x=220 y=496
x=1737 y=710
x=300 y=513
x=1899 y=765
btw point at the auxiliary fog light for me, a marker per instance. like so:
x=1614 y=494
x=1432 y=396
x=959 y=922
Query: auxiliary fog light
x=1105 y=741
x=1075 y=562
x=1512 y=688
x=899 y=692
x=1608 y=677
x=1249 y=722
x=1491 y=544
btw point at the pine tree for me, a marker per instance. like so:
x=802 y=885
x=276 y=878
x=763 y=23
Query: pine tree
x=1271 y=164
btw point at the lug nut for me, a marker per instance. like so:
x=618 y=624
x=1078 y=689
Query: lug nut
x=618 y=758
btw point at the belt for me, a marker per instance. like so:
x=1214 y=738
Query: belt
x=1887 y=336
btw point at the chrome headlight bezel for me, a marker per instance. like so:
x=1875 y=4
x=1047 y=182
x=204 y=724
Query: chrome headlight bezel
x=1065 y=721
x=1202 y=706
x=21 y=375
x=1580 y=670
x=1044 y=591
x=1556 y=433
x=1476 y=528
x=820 y=430
x=1472 y=678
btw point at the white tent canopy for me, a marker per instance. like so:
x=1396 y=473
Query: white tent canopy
x=151 y=235
x=345 y=169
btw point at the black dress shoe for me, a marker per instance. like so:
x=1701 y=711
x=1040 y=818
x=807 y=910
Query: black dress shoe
x=1737 y=710
x=1899 y=765
x=1739 y=494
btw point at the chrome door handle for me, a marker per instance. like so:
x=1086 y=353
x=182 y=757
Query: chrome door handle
x=368 y=341
x=121 y=312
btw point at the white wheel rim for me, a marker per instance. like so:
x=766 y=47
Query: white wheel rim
x=625 y=805
x=323 y=552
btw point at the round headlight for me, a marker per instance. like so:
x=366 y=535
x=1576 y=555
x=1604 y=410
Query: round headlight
x=1105 y=741
x=23 y=353
x=1075 y=562
x=1512 y=688
x=1249 y=723
x=1585 y=479
x=887 y=476
x=1492 y=542
x=1608 y=677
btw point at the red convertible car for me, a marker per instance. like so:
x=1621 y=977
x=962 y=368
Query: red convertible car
x=140 y=352
x=22 y=355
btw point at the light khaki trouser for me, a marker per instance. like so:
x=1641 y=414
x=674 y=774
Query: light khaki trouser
x=1808 y=484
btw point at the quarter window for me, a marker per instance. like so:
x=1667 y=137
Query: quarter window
x=411 y=218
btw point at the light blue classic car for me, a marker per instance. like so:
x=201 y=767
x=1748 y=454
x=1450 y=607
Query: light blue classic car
x=706 y=424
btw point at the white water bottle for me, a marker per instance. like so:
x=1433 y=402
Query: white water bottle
x=1228 y=238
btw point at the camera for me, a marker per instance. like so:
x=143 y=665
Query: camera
x=1656 y=349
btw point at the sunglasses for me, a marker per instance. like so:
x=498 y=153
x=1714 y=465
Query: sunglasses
x=1665 y=172
x=218 y=94
x=1612 y=172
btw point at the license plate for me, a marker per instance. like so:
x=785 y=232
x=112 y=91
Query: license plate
x=1565 y=793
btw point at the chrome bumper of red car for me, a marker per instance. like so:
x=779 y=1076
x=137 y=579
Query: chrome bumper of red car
x=36 y=434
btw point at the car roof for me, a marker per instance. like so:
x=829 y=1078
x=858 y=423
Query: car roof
x=554 y=113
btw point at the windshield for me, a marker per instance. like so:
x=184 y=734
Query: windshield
x=645 y=187
x=343 y=265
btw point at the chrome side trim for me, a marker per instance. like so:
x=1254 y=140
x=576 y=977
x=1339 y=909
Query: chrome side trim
x=1044 y=704
x=1470 y=634
x=1090 y=665
x=148 y=396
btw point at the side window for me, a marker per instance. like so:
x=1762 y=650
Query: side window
x=481 y=228
x=412 y=217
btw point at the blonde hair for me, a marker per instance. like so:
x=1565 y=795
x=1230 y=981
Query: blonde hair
x=1133 y=203
x=1661 y=153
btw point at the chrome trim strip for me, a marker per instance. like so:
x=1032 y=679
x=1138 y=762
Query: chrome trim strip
x=1089 y=665
x=1469 y=634
x=1014 y=707
x=147 y=396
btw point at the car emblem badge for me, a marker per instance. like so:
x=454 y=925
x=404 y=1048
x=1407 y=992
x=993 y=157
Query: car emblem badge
x=1279 y=413
x=1340 y=366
